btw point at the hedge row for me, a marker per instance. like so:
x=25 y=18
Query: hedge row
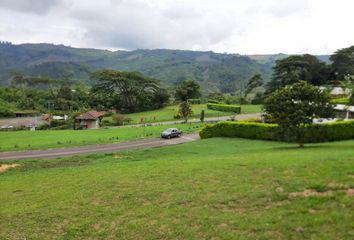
x=224 y=107
x=316 y=133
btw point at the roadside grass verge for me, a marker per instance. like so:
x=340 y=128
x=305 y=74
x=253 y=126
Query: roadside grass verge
x=210 y=189
x=27 y=140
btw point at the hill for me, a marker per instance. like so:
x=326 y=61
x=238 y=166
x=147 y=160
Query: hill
x=214 y=71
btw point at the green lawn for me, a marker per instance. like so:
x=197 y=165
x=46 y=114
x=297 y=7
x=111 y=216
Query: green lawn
x=25 y=140
x=209 y=189
x=167 y=113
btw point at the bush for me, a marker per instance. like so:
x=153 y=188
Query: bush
x=340 y=101
x=224 y=107
x=194 y=101
x=120 y=119
x=239 y=129
x=316 y=133
x=177 y=116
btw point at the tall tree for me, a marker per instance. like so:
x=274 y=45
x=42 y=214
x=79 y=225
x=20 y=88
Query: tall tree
x=295 y=68
x=255 y=81
x=294 y=108
x=188 y=89
x=130 y=91
x=185 y=110
x=343 y=63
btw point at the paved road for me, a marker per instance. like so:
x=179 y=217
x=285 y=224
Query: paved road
x=53 y=153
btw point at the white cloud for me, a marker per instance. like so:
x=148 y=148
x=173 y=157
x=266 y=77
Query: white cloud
x=239 y=26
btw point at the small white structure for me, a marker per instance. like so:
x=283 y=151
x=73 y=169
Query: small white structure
x=65 y=117
x=338 y=91
x=344 y=112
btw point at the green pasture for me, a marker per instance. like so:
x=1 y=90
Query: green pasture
x=167 y=113
x=25 y=140
x=208 y=189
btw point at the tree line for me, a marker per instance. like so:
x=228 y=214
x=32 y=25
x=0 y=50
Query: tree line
x=310 y=69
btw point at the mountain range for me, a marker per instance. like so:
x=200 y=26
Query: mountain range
x=214 y=71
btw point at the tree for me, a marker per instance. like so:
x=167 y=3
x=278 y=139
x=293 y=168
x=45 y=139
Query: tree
x=188 y=90
x=185 y=110
x=343 y=63
x=202 y=115
x=295 y=68
x=128 y=91
x=294 y=108
x=255 y=81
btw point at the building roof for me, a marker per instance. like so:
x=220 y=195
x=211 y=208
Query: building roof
x=342 y=107
x=91 y=115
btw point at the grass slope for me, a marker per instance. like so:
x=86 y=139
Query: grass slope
x=25 y=140
x=167 y=113
x=208 y=189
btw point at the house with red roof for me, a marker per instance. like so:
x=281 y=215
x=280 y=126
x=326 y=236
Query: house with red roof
x=90 y=120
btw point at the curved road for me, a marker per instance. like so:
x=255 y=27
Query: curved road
x=112 y=147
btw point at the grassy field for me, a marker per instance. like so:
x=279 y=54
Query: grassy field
x=25 y=140
x=167 y=113
x=208 y=189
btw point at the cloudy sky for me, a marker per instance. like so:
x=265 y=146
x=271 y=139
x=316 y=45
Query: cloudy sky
x=233 y=26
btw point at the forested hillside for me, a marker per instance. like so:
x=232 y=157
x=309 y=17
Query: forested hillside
x=214 y=71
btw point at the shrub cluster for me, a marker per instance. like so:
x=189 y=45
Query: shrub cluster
x=316 y=133
x=224 y=107
x=340 y=101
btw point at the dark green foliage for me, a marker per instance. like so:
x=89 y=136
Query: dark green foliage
x=351 y=99
x=315 y=133
x=255 y=81
x=56 y=100
x=185 y=110
x=6 y=109
x=224 y=107
x=188 y=89
x=239 y=129
x=295 y=68
x=202 y=115
x=294 y=107
x=343 y=63
x=212 y=70
x=129 y=91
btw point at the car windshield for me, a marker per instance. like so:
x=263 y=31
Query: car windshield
x=169 y=130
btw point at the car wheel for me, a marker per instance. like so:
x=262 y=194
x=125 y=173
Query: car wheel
x=169 y=136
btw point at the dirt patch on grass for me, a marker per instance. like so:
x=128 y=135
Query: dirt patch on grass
x=5 y=167
x=119 y=156
x=310 y=193
x=337 y=186
x=350 y=192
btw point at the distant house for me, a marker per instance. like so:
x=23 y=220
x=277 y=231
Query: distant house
x=338 y=91
x=90 y=120
x=344 y=112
